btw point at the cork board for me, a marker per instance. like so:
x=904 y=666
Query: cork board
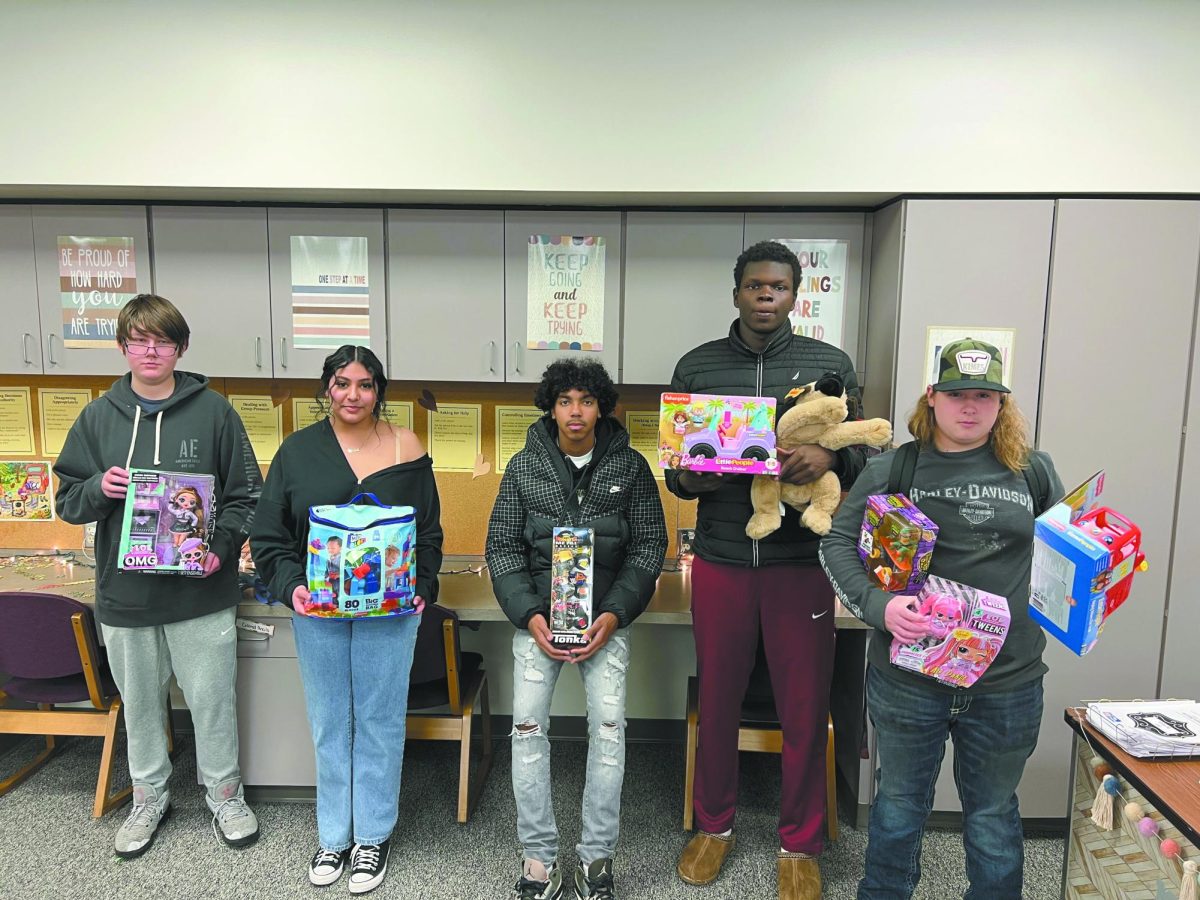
x=466 y=500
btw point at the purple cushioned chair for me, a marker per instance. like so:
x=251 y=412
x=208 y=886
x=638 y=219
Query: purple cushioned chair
x=445 y=686
x=48 y=647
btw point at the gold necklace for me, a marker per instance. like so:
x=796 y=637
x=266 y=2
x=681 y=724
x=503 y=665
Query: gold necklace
x=349 y=450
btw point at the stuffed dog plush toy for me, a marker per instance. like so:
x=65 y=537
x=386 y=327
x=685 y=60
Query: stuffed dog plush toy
x=813 y=414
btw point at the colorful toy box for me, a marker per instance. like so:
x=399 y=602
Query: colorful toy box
x=716 y=433
x=361 y=559
x=571 y=585
x=1084 y=558
x=967 y=628
x=167 y=524
x=896 y=543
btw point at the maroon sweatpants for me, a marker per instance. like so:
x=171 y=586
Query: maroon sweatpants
x=793 y=606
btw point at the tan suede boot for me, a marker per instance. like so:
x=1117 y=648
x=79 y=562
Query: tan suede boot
x=799 y=877
x=701 y=860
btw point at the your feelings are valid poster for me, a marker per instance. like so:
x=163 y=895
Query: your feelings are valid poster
x=97 y=276
x=566 y=292
x=821 y=293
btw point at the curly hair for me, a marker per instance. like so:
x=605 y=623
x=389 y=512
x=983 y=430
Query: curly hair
x=570 y=374
x=766 y=251
x=1010 y=434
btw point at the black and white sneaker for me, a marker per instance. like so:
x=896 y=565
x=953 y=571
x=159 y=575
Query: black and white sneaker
x=528 y=888
x=594 y=881
x=368 y=865
x=327 y=865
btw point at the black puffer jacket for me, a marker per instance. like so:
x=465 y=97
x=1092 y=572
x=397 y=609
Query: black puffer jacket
x=728 y=366
x=620 y=504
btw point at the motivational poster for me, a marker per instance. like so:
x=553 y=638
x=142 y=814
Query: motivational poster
x=331 y=296
x=821 y=294
x=565 y=292
x=96 y=277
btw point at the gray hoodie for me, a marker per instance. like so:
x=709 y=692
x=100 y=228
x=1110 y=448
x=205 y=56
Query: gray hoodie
x=195 y=430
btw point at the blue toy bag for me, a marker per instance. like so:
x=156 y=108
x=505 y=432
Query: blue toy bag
x=361 y=559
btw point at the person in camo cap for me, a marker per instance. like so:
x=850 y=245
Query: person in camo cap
x=977 y=477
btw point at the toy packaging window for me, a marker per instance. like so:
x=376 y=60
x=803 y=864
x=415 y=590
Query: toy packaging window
x=361 y=560
x=896 y=543
x=967 y=628
x=571 y=585
x=168 y=522
x=716 y=433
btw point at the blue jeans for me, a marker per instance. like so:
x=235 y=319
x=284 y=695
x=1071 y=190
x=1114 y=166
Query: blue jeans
x=355 y=675
x=534 y=677
x=994 y=734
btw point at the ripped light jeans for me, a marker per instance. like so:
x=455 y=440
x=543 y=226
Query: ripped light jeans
x=534 y=678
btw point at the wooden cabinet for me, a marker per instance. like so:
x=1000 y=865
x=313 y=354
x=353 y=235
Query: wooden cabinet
x=211 y=262
x=446 y=295
x=21 y=345
x=78 y=312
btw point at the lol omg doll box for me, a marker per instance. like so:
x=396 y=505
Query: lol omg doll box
x=571 y=581
x=168 y=522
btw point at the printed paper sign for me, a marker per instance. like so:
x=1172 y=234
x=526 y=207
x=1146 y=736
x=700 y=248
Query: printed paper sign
x=331 y=297
x=96 y=277
x=16 y=421
x=59 y=408
x=821 y=294
x=566 y=292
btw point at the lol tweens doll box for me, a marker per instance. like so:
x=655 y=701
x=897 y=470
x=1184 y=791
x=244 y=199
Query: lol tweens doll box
x=967 y=628
x=168 y=522
x=896 y=543
x=571 y=585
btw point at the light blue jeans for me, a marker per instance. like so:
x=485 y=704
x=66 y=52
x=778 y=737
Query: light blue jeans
x=355 y=675
x=534 y=678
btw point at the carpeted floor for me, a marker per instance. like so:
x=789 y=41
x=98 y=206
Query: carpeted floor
x=54 y=849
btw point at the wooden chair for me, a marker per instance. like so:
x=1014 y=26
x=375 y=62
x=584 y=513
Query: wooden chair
x=48 y=645
x=445 y=689
x=759 y=733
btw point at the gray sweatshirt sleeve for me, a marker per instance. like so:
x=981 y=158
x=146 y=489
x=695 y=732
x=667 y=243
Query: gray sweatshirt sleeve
x=839 y=549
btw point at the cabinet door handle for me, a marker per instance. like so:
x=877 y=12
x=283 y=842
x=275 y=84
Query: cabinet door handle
x=258 y=351
x=283 y=352
x=517 y=360
x=50 y=348
x=491 y=357
x=26 y=337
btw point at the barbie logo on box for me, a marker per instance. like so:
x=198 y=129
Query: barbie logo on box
x=713 y=433
x=967 y=628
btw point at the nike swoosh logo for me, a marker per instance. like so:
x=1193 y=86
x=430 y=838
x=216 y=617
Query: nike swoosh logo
x=818 y=615
x=231 y=627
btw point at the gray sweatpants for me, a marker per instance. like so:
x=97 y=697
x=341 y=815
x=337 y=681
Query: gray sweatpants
x=202 y=653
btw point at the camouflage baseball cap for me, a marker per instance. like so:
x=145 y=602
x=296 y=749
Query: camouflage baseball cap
x=970 y=364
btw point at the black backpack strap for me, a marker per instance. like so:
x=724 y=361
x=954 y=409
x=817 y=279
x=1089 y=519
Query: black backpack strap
x=1038 y=480
x=904 y=465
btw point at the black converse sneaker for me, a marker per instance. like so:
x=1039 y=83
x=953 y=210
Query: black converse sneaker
x=368 y=865
x=528 y=888
x=327 y=865
x=594 y=881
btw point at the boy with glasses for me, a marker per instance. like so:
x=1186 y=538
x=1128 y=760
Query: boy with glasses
x=157 y=418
